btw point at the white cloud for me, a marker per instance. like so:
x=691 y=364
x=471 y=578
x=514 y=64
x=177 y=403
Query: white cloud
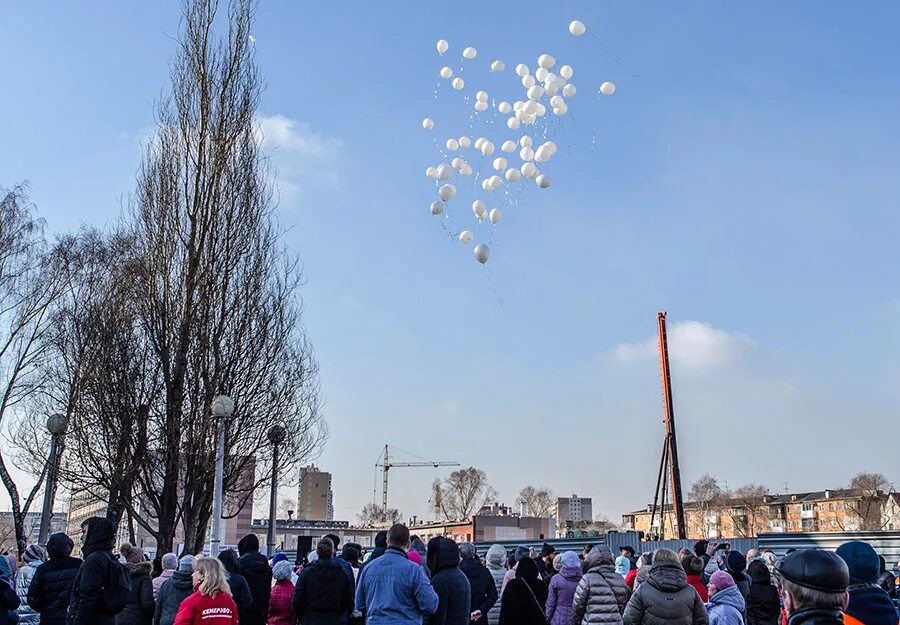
x=299 y=154
x=693 y=345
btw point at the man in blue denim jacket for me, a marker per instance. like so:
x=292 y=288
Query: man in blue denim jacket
x=392 y=590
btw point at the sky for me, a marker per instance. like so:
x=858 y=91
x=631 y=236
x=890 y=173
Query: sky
x=742 y=178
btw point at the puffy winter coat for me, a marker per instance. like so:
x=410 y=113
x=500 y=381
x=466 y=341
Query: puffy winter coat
x=139 y=604
x=665 y=599
x=8 y=599
x=171 y=594
x=496 y=564
x=763 y=602
x=601 y=595
x=280 y=610
x=450 y=584
x=323 y=594
x=870 y=605
x=484 y=589
x=726 y=607
x=561 y=594
x=256 y=570
x=96 y=571
x=240 y=590
x=27 y=614
x=51 y=588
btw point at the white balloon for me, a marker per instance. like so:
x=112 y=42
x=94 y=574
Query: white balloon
x=482 y=253
x=465 y=142
x=466 y=237
x=452 y=145
x=479 y=142
x=498 y=66
x=500 y=163
x=608 y=88
x=551 y=79
x=530 y=108
x=481 y=96
x=522 y=69
x=486 y=184
x=557 y=101
x=577 y=28
x=541 y=110
x=543 y=181
x=561 y=110
x=427 y=123
x=442 y=46
x=529 y=120
x=512 y=123
x=526 y=141
x=566 y=72
x=569 y=90
x=550 y=146
x=437 y=207
x=541 y=73
x=444 y=172
x=458 y=83
x=542 y=155
x=513 y=174
x=487 y=148
x=535 y=93
x=457 y=163
x=480 y=209
x=495 y=216
x=551 y=89
x=520 y=114
x=528 y=81
x=526 y=154
x=505 y=107
x=529 y=170
x=446 y=72
x=431 y=172
x=466 y=170
x=446 y=192
x=470 y=53
x=546 y=61
x=481 y=106
x=508 y=146
x=495 y=181
x=518 y=105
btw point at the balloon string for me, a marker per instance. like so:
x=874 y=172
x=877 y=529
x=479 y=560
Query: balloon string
x=490 y=278
x=602 y=46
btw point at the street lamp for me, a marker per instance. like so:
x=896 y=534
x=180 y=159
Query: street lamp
x=222 y=409
x=277 y=435
x=56 y=425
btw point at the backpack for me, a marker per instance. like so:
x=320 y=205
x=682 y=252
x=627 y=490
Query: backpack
x=115 y=592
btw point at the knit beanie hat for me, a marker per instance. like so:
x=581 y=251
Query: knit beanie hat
x=862 y=561
x=279 y=557
x=282 y=570
x=33 y=553
x=721 y=580
x=186 y=564
x=735 y=562
x=132 y=554
x=547 y=549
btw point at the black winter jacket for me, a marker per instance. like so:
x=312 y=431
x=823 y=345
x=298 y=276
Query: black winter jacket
x=139 y=603
x=85 y=607
x=524 y=598
x=484 y=590
x=816 y=617
x=323 y=594
x=175 y=590
x=450 y=584
x=240 y=591
x=51 y=588
x=256 y=570
x=763 y=602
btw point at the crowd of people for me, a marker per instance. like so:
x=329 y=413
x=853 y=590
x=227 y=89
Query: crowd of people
x=404 y=581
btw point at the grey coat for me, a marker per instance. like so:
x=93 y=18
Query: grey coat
x=665 y=599
x=601 y=595
x=496 y=561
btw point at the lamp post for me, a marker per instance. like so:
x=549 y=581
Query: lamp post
x=56 y=425
x=222 y=409
x=276 y=436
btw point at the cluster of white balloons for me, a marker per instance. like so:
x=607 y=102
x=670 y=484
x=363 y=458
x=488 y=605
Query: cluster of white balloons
x=548 y=90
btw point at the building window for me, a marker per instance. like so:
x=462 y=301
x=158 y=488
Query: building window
x=790 y=525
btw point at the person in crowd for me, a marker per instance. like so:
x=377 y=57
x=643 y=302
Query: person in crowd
x=51 y=586
x=324 y=594
x=281 y=611
x=413 y=556
x=9 y=601
x=345 y=566
x=693 y=568
x=495 y=562
x=561 y=591
x=642 y=571
x=763 y=602
x=520 y=554
x=33 y=557
x=256 y=570
x=736 y=566
x=601 y=595
x=726 y=604
x=623 y=562
x=380 y=545
x=683 y=553
x=237 y=583
x=814 y=587
x=751 y=555
x=770 y=559
x=586 y=550
x=545 y=565
x=350 y=553
x=13 y=563
x=868 y=604
x=139 y=603
x=169 y=564
x=887 y=581
x=666 y=596
x=557 y=563
x=483 y=589
x=392 y=590
x=177 y=588
x=211 y=602
x=96 y=573
x=449 y=582
x=280 y=557
x=418 y=553
x=525 y=597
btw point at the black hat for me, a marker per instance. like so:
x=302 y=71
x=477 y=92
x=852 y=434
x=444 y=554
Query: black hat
x=630 y=550
x=547 y=550
x=817 y=569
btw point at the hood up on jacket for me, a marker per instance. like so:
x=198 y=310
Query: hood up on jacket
x=667 y=576
x=230 y=560
x=759 y=573
x=101 y=535
x=598 y=556
x=496 y=557
x=872 y=606
x=443 y=553
x=527 y=569
x=4 y=570
x=730 y=596
x=419 y=547
x=248 y=544
x=59 y=546
x=572 y=573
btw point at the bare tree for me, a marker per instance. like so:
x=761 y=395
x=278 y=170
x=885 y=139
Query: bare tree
x=287 y=508
x=748 y=509
x=462 y=494
x=706 y=495
x=372 y=514
x=539 y=501
x=866 y=496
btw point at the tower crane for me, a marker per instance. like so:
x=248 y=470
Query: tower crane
x=386 y=465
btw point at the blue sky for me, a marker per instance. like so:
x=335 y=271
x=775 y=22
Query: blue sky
x=744 y=179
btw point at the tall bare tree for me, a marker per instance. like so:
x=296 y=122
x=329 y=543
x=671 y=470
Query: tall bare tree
x=706 y=495
x=748 y=509
x=373 y=514
x=866 y=497
x=539 y=501
x=462 y=494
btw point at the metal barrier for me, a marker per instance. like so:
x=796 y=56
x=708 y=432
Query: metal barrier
x=615 y=541
x=887 y=544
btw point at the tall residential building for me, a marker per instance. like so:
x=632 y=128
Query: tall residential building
x=572 y=511
x=315 y=500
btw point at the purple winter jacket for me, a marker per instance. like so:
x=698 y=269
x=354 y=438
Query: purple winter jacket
x=561 y=594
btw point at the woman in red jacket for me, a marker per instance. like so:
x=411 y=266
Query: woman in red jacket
x=281 y=612
x=211 y=603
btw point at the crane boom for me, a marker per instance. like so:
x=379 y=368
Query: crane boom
x=670 y=447
x=386 y=465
